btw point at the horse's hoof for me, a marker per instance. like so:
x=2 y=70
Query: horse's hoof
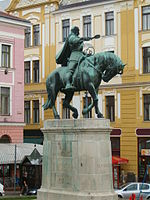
x=84 y=111
x=75 y=115
x=100 y=115
x=57 y=117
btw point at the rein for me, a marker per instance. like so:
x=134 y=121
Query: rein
x=91 y=64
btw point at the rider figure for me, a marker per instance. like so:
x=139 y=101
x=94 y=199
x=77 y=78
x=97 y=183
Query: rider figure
x=73 y=50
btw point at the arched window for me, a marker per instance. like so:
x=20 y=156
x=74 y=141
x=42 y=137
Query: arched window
x=5 y=139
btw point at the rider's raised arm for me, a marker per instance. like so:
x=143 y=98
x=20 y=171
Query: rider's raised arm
x=85 y=38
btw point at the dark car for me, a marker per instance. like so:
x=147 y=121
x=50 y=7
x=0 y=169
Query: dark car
x=32 y=191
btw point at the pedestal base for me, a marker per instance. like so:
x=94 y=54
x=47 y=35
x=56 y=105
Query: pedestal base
x=77 y=162
x=44 y=194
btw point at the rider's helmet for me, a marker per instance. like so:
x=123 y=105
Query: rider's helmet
x=75 y=30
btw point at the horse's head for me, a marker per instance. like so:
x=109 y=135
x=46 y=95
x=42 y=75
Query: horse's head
x=114 y=66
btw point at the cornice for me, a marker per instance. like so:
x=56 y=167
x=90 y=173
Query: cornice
x=80 y=5
x=125 y=85
x=12 y=124
x=34 y=93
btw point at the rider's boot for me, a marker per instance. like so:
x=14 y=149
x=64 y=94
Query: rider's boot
x=69 y=85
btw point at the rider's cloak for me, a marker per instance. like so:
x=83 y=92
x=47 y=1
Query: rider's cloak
x=63 y=54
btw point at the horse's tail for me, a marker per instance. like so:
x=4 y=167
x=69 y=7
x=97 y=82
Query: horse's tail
x=48 y=104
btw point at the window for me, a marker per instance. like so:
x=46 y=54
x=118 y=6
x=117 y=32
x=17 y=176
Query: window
x=5 y=55
x=5 y=169
x=109 y=17
x=27 y=112
x=65 y=29
x=110 y=108
x=4 y=101
x=27 y=72
x=5 y=139
x=87 y=26
x=146 y=107
x=35 y=111
x=143 y=157
x=86 y=102
x=144 y=186
x=146 y=60
x=65 y=112
x=131 y=187
x=36 y=35
x=146 y=17
x=115 y=146
x=36 y=71
x=27 y=42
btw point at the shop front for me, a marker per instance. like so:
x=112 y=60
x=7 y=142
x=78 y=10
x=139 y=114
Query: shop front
x=116 y=162
x=143 y=154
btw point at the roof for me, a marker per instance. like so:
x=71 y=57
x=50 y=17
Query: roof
x=35 y=158
x=7 y=152
x=4 y=15
x=80 y=3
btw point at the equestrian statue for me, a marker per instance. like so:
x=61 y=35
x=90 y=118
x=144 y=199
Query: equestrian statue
x=80 y=72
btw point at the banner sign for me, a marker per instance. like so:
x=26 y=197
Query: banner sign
x=145 y=152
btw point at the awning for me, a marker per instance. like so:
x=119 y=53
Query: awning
x=118 y=160
x=7 y=152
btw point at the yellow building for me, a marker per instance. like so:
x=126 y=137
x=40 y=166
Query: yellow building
x=124 y=27
x=39 y=60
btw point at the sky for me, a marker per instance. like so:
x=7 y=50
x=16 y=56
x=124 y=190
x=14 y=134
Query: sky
x=4 y=4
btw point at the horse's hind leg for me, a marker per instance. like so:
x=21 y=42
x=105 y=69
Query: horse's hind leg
x=56 y=115
x=66 y=104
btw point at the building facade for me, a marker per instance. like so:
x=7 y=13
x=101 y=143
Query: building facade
x=11 y=78
x=39 y=61
x=124 y=27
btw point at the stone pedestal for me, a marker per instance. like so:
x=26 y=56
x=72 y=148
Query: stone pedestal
x=77 y=163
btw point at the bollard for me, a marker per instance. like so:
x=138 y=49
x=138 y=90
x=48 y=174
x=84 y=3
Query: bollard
x=132 y=197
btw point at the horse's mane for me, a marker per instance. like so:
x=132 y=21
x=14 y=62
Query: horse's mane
x=109 y=58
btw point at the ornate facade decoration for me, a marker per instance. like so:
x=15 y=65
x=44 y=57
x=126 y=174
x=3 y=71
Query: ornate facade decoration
x=67 y=2
x=24 y=3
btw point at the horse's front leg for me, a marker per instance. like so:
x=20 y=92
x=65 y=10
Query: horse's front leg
x=93 y=92
x=88 y=109
x=97 y=111
x=66 y=104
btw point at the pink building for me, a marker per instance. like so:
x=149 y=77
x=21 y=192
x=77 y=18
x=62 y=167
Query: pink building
x=12 y=78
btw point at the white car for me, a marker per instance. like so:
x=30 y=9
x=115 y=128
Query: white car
x=134 y=188
x=1 y=190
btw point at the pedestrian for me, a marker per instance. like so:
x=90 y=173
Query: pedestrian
x=24 y=186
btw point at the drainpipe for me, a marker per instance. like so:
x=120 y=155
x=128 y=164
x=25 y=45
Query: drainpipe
x=15 y=169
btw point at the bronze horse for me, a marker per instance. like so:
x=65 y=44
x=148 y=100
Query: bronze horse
x=88 y=76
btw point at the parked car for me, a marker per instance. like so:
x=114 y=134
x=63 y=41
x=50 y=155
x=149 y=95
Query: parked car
x=134 y=188
x=1 y=190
